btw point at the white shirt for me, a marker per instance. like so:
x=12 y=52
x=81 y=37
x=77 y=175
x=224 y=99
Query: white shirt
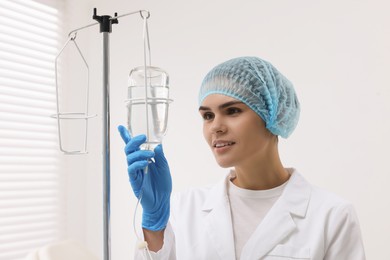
x=248 y=208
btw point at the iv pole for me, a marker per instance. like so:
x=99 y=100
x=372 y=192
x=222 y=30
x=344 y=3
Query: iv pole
x=106 y=23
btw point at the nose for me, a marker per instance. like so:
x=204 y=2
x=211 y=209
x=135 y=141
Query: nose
x=218 y=126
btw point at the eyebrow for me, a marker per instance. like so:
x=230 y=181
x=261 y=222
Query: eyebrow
x=224 y=105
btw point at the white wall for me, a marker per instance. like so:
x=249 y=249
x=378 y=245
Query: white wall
x=335 y=52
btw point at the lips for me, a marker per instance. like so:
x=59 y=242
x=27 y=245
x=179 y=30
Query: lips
x=222 y=143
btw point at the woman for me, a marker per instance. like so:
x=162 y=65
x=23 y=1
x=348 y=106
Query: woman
x=260 y=210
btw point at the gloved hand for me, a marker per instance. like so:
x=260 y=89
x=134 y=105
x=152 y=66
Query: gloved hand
x=155 y=186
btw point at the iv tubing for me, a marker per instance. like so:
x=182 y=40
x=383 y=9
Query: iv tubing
x=146 y=252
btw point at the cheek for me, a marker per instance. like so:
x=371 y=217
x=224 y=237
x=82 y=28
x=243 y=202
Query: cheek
x=254 y=131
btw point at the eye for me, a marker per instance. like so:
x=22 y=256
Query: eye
x=233 y=110
x=208 y=116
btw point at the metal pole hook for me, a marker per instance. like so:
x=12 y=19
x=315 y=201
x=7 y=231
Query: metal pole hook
x=74 y=36
x=147 y=17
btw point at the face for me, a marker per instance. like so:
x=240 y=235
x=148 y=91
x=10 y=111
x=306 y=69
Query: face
x=234 y=132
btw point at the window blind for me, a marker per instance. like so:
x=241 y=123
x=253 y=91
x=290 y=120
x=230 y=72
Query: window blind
x=31 y=198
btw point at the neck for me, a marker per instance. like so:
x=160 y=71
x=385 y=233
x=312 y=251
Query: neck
x=261 y=174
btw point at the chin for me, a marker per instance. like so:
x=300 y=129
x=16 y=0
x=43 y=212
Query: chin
x=224 y=164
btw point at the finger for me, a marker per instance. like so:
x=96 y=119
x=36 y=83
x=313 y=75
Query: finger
x=159 y=155
x=124 y=133
x=134 y=143
x=134 y=167
x=139 y=156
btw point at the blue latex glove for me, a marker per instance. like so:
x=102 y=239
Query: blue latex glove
x=155 y=186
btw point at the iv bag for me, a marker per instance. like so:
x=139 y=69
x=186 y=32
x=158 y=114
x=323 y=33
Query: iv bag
x=147 y=104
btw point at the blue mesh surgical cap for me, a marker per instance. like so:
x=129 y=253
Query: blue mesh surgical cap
x=261 y=87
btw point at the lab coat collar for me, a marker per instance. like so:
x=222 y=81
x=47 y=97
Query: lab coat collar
x=218 y=221
x=276 y=225
x=297 y=188
x=280 y=220
x=217 y=193
x=296 y=195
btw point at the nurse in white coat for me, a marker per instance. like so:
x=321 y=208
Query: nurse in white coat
x=260 y=209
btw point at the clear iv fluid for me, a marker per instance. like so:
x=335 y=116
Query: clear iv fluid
x=147 y=107
x=151 y=118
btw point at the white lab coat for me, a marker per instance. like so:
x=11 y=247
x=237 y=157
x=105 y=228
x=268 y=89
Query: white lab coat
x=305 y=223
